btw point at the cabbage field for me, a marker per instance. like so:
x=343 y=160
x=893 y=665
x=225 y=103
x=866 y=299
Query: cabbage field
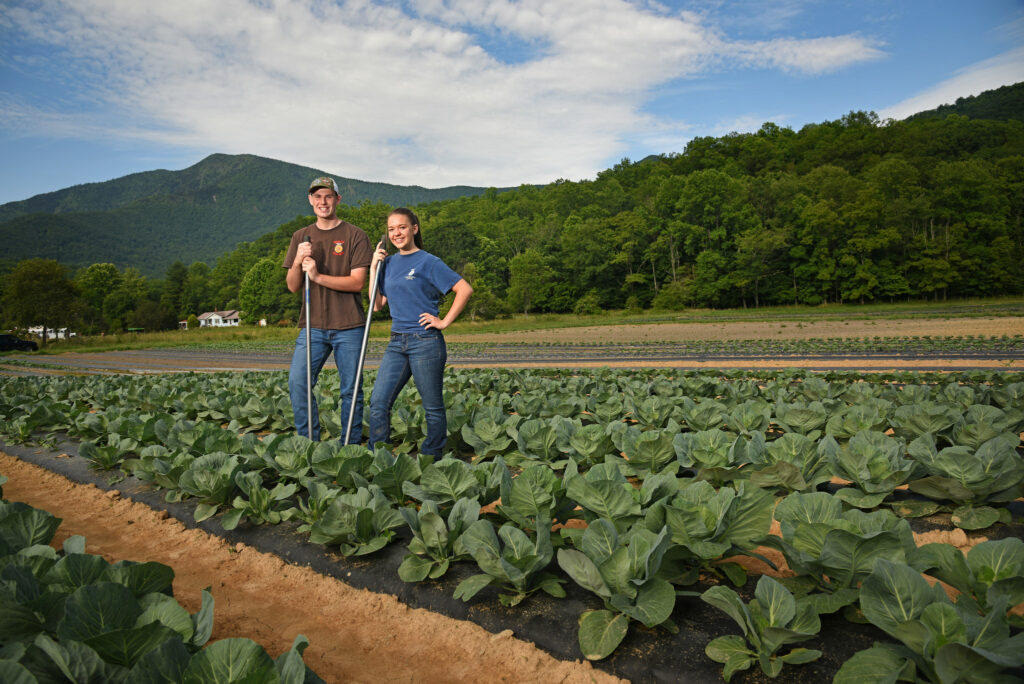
x=620 y=505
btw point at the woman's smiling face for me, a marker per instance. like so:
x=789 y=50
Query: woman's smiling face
x=401 y=232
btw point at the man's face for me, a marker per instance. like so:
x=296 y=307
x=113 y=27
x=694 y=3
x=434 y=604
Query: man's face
x=324 y=201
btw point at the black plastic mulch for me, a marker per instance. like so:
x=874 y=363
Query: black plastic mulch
x=644 y=656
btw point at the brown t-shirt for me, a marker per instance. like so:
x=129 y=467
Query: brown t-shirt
x=337 y=252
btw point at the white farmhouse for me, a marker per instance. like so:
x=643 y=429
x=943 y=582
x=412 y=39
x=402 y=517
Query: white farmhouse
x=218 y=319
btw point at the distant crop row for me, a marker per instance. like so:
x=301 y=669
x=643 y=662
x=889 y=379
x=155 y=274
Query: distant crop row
x=814 y=346
x=670 y=473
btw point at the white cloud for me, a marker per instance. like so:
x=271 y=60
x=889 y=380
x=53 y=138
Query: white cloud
x=369 y=91
x=1006 y=69
x=812 y=56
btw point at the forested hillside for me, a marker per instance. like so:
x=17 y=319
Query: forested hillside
x=149 y=220
x=1002 y=103
x=852 y=210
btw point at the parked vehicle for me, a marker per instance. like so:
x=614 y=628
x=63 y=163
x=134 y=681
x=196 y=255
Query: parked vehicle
x=12 y=343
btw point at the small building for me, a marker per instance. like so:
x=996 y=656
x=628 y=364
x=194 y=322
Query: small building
x=218 y=319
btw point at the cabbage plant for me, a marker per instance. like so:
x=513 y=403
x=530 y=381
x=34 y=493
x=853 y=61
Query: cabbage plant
x=875 y=463
x=981 y=423
x=257 y=504
x=939 y=641
x=805 y=418
x=77 y=617
x=709 y=523
x=436 y=540
x=990 y=574
x=445 y=482
x=793 y=462
x=211 y=480
x=833 y=549
x=535 y=494
x=604 y=492
x=312 y=507
x=488 y=433
x=851 y=420
x=390 y=471
x=994 y=473
x=590 y=444
x=359 y=522
x=511 y=561
x=910 y=421
x=773 y=619
x=341 y=465
x=624 y=571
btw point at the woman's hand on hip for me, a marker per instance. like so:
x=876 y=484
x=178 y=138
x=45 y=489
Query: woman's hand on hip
x=428 y=321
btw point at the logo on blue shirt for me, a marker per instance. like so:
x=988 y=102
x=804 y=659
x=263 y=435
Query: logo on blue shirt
x=411 y=275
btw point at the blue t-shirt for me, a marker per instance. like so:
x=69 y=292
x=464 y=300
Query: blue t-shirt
x=415 y=284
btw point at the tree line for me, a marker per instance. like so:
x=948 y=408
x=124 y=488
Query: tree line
x=852 y=210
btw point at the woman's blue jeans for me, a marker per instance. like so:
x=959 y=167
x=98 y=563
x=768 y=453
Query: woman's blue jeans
x=421 y=356
x=346 y=345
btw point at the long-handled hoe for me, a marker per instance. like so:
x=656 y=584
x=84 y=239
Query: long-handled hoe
x=362 y=349
x=309 y=362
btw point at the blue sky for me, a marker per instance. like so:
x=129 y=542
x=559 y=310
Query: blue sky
x=478 y=92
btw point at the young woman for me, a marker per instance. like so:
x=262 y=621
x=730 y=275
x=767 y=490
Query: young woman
x=412 y=284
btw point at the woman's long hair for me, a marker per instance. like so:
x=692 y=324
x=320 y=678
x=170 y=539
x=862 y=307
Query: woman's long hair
x=413 y=221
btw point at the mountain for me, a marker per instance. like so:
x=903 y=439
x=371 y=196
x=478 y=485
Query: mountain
x=1002 y=103
x=150 y=220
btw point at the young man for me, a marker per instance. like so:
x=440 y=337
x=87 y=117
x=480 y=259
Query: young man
x=336 y=258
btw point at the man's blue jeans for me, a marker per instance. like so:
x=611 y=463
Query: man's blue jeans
x=421 y=356
x=346 y=345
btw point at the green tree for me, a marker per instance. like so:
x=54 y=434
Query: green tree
x=174 y=288
x=40 y=292
x=117 y=306
x=586 y=262
x=262 y=292
x=673 y=296
x=714 y=206
x=195 y=296
x=152 y=316
x=757 y=251
x=972 y=213
x=529 y=276
x=94 y=282
x=453 y=243
x=483 y=304
x=135 y=284
x=226 y=276
x=122 y=301
x=372 y=217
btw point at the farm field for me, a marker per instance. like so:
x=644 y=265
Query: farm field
x=950 y=343
x=729 y=429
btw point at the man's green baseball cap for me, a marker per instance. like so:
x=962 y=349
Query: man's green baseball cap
x=324 y=182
